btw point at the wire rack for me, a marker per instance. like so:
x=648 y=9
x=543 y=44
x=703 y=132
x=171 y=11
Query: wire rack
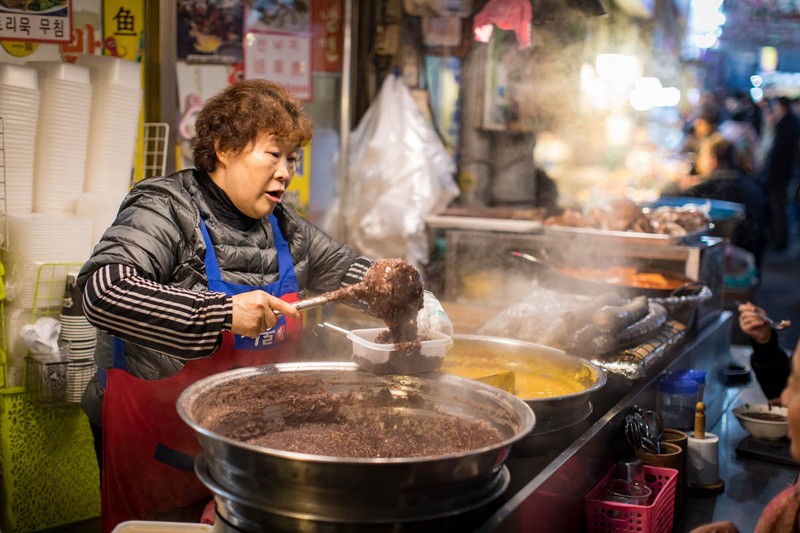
x=51 y=282
x=156 y=142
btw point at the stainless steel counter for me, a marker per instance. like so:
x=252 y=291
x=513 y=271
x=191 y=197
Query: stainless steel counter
x=546 y=491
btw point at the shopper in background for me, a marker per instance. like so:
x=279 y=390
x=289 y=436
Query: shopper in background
x=740 y=131
x=779 y=169
x=720 y=176
x=185 y=283
x=704 y=123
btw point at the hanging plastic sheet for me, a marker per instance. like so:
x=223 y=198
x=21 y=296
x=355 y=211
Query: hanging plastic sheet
x=399 y=172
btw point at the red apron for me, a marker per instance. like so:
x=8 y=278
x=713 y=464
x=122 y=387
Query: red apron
x=148 y=451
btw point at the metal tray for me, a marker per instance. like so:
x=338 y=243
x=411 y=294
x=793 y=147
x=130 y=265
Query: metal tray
x=624 y=237
x=484 y=224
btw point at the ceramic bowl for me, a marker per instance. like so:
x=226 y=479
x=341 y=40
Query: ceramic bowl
x=762 y=421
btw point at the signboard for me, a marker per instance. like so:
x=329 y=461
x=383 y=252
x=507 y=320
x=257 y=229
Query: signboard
x=298 y=192
x=44 y=22
x=123 y=21
x=326 y=21
x=87 y=34
x=284 y=58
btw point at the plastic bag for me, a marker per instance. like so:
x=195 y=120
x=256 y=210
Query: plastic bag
x=399 y=173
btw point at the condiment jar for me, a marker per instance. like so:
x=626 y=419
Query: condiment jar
x=676 y=401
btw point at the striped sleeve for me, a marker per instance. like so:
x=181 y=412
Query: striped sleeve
x=355 y=274
x=178 y=322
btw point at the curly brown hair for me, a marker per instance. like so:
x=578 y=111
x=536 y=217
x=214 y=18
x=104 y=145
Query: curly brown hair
x=239 y=114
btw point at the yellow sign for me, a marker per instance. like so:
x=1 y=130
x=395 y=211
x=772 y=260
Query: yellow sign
x=298 y=193
x=123 y=21
x=19 y=48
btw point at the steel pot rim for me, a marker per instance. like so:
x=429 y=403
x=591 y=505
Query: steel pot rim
x=555 y=352
x=524 y=412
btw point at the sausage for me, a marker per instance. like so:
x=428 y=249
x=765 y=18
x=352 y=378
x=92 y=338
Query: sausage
x=578 y=341
x=609 y=319
x=636 y=332
x=581 y=316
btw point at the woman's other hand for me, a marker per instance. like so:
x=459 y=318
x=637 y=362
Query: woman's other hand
x=716 y=527
x=253 y=312
x=751 y=320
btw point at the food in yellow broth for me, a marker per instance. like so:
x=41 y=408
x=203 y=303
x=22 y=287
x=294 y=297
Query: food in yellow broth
x=541 y=379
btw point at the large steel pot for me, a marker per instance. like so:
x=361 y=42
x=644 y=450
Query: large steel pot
x=555 y=413
x=352 y=489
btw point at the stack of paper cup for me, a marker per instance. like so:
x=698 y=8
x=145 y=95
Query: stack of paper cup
x=62 y=136
x=101 y=209
x=75 y=328
x=39 y=245
x=113 y=123
x=19 y=110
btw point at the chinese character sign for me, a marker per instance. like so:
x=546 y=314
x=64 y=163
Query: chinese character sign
x=284 y=58
x=46 y=21
x=124 y=24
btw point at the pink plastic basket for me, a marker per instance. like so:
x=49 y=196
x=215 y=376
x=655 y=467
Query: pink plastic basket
x=612 y=517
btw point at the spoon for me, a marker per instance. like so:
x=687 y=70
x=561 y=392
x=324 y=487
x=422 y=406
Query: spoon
x=649 y=443
x=655 y=428
x=630 y=435
x=346 y=293
x=635 y=436
x=781 y=324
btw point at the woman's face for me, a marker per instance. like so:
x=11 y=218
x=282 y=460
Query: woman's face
x=791 y=399
x=256 y=179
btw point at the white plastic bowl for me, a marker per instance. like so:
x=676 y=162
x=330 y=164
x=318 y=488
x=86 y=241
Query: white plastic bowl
x=383 y=358
x=759 y=428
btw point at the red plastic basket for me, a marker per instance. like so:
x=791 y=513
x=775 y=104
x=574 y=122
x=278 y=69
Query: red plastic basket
x=612 y=517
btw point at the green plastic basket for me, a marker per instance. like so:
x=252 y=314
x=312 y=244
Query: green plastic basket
x=48 y=470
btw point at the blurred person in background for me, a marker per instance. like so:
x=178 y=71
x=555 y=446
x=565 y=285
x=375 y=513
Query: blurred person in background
x=779 y=169
x=704 y=123
x=720 y=176
x=740 y=131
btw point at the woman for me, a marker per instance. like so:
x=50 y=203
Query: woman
x=720 y=177
x=185 y=283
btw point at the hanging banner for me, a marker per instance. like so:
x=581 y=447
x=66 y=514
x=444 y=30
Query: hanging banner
x=45 y=21
x=284 y=58
x=326 y=21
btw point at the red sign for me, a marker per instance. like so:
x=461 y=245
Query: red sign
x=326 y=23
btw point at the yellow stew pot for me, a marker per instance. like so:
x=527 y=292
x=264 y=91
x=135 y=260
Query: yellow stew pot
x=556 y=385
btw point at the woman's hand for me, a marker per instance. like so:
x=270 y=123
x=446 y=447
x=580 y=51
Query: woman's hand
x=253 y=312
x=751 y=320
x=716 y=527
